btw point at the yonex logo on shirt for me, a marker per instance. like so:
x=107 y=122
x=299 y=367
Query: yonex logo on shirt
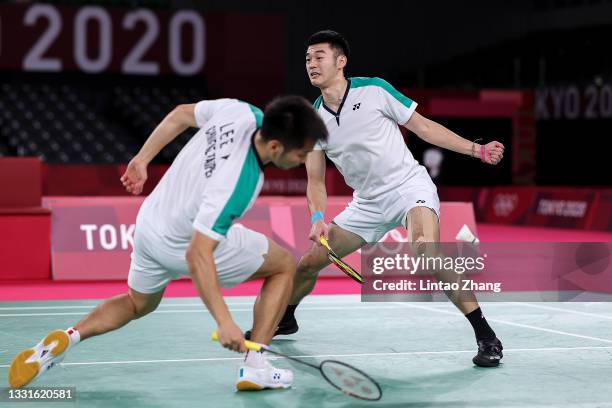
x=420 y=201
x=356 y=106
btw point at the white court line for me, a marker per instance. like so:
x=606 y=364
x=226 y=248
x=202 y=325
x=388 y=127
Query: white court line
x=47 y=307
x=526 y=326
x=355 y=307
x=203 y=310
x=90 y=306
x=400 y=354
x=94 y=305
x=82 y=313
x=562 y=310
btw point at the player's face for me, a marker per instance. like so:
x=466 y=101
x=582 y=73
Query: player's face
x=294 y=157
x=322 y=64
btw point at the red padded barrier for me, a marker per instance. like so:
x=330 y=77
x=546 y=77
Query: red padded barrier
x=25 y=244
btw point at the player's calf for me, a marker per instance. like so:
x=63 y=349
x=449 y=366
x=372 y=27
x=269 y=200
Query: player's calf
x=118 y=311
x=278 y=272
x=307 y=273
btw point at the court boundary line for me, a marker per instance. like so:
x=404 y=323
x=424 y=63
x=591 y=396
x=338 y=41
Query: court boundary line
x=535 y=306
x=387 y=354
x=355 y=307
x=526 y=326
x=203 y=310
x=250 y=303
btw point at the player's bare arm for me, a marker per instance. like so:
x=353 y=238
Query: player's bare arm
x=177 y=121
x=204 y=276
x=316 y=193
x=436 y=134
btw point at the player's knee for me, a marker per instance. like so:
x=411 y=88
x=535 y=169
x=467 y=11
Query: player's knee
x=142 y=307
x=286 y=263
x=143 y=310
x=308 y=266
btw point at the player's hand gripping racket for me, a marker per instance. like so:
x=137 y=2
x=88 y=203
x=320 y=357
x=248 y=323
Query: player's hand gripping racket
x=344 y=377
x=343 y=266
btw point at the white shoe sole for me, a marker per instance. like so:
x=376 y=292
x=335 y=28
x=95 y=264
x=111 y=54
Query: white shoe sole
x=32 y=362
x=249 y=382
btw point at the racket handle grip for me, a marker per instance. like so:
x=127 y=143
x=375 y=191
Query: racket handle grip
x=251 y=345
x=324 y=242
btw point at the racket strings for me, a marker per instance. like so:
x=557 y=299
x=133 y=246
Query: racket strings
x=350 y=380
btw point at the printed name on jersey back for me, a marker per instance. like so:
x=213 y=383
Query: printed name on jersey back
x=220 y=145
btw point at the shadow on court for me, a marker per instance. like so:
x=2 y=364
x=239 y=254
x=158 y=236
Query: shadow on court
x=411 y=392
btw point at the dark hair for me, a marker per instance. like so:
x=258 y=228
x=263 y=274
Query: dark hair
x=292 y=121
x=335 y=40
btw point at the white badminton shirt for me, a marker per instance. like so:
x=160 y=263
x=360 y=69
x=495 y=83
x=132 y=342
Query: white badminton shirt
x=215 y=178
x=364 y=141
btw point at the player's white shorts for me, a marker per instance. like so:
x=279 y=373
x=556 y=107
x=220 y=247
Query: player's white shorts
x=371 y=219
x=155 y=262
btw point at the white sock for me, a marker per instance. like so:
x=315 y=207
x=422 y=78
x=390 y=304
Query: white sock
x=75 y=336
x=255 y=359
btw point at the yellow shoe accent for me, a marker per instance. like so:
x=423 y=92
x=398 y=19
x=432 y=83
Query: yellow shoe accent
x=62 y=339
x=248 y=386
x=21 y=373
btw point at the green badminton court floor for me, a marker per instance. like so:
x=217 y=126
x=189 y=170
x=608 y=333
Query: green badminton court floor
x=556 y=355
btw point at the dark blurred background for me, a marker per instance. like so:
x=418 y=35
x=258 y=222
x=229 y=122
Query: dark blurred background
x=85 y=82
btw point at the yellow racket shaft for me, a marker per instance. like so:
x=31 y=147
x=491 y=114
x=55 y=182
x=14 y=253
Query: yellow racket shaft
x=336 y=259
x=347 y=269
x=324 y=242
x=251 y=345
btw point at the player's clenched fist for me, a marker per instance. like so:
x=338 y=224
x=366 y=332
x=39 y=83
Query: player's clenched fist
x=493 y=152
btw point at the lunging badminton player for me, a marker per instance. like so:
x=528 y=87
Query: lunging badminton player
x=391 y=188
x=185 y=228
